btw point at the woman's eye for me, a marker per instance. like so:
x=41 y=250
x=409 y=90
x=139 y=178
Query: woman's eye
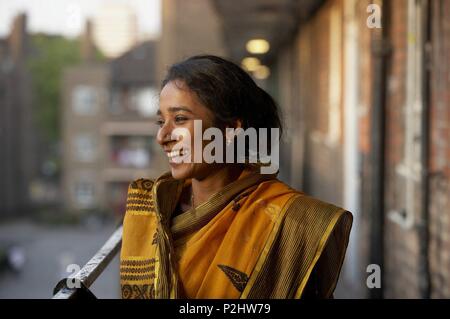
x=180 y=119
x=160 y=122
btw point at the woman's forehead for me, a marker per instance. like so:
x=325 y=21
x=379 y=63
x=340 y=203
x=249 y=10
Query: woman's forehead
x=173 y=91
x=175 y=97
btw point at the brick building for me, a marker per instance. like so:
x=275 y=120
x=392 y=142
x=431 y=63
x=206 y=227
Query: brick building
x=18 y=163
x=188 y=28
x=373 y=109
x=108 y=124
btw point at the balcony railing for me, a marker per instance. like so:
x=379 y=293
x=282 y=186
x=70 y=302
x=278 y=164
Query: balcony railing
x=77 y=285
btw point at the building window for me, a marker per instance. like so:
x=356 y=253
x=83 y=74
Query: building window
x=85 y=194
x=409 y=170
x=131 y=151
x=145 y=101
x=84 y=100
x=141 y=101
x=85 y=147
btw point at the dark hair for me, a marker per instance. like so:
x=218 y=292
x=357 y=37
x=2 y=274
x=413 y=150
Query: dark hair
x=228 y=91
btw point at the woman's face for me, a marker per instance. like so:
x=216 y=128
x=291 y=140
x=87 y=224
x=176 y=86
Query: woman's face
x=178 y=108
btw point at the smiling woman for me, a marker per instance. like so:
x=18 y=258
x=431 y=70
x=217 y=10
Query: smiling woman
x=220 y=229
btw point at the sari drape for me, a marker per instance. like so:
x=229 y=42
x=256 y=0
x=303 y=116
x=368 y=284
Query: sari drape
x=256 y=238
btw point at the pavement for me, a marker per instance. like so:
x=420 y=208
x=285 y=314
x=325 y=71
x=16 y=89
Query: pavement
x=48 y=251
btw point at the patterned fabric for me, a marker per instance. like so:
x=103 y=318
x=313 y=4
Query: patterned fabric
x=237 y=278
x=256 y=238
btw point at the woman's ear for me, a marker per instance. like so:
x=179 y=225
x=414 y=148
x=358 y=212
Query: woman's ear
x=238 y=123
x=230 y=131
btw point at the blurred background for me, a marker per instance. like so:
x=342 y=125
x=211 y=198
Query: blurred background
x=364 y=87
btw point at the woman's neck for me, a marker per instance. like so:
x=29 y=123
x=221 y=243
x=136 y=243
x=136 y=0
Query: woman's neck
x=214 y=182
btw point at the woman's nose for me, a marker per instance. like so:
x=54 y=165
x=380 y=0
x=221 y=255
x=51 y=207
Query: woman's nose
x=163 y=135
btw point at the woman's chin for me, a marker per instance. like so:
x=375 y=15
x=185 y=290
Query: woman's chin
x=180 y=171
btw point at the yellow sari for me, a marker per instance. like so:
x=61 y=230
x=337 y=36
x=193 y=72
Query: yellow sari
x=256 y=238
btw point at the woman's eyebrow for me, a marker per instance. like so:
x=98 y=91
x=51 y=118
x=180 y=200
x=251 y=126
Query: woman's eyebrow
x=174 y=109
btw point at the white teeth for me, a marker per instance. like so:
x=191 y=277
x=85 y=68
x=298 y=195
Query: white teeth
x=175 y=153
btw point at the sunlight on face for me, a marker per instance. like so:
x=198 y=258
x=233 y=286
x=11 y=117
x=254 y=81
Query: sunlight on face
x=178 y=108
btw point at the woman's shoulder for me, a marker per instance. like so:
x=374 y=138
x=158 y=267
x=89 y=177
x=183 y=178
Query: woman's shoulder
x=309 y=202
x=302 y=203
x=145 y=184
x=316 y=215
x=139 y=197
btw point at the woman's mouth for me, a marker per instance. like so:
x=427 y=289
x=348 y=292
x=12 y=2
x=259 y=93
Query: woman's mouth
x=176 y=156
